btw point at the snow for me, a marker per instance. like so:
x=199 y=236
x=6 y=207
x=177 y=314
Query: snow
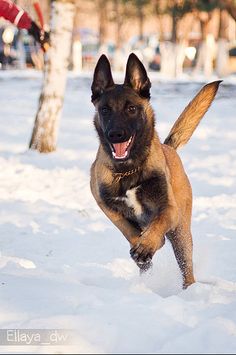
x=65 y=266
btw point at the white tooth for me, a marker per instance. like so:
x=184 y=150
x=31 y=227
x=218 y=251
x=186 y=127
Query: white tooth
x=129 y=141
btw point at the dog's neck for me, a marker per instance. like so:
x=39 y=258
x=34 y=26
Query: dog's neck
x=120 y=176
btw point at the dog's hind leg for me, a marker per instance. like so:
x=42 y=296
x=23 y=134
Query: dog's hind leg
x=181 y=240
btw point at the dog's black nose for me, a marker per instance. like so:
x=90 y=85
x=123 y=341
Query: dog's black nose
x=117 y=135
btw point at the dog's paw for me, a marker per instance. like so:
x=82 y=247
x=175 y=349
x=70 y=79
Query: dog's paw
x=142 y=255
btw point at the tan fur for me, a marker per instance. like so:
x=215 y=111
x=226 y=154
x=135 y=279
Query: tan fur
x=175 y=221
x=189 y=119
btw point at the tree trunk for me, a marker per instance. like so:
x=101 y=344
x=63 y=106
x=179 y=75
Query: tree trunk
x=118 y=8
x=140 y=20
x=44 y=136
x=179 y=57
x=119 y=60
x=168 y=52
x=206 y=53
x=173 y=53
x=222 y=58
x=172 y=58
x=174 y=29
x=102 y=14
x=167 y=49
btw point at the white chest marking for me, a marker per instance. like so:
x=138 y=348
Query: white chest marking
x=132 y=201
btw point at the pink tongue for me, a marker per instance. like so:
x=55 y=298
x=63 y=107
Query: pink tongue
x=120 y=149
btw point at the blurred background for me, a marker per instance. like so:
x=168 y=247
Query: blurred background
x=173 y=38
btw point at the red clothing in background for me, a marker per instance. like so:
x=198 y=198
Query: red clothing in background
x=15 y=14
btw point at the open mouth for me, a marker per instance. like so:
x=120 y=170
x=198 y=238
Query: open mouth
x=121 y=150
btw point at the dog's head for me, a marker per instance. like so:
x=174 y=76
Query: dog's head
x=124 y=118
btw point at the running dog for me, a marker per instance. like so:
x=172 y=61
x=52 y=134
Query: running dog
x=138 y=182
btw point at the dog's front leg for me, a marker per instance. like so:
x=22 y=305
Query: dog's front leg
x=153 y=237
x=131 y=233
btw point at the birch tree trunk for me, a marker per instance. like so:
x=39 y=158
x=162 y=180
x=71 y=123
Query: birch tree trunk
x=222 y=58
x=172 y=58
x=207 y=50
x=44 y=136
x=101 y=8
x=167 y=50
x=206 y=56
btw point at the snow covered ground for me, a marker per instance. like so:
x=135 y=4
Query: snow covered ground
x=63 y=265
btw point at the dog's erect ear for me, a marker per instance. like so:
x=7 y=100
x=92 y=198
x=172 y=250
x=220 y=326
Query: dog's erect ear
x=102 y=78
x=136 y=77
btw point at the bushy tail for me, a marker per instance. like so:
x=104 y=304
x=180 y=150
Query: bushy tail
x=189 y=119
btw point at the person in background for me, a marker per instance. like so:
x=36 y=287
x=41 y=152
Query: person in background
x=22 y=20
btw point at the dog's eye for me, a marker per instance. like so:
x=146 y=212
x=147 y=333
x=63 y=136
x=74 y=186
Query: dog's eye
x=132 y=109
x=105 y=110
